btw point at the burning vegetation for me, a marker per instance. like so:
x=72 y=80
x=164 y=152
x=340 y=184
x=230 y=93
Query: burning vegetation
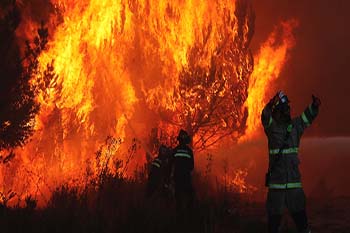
x=134 y=72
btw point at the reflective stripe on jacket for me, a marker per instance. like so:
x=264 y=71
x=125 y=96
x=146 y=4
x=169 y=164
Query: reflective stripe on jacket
x=284 y=164
x=183 y=160
x=285 y=186
x=183 y=153
x=157 y=163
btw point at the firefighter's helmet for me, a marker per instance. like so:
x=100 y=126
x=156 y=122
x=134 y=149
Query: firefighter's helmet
x=184 y=137
x=283 y=98
x=281 y=105
x=280 y=102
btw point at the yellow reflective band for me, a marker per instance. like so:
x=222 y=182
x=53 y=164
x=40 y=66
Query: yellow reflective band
x=311 y=111
x=181 y=150
x=270 y=122
x=182 y=155
x=293 y=150
x=306 y=121
x=156 y=164
x=277 y=186
x=158 y=161
x=285 y=186
x=294 y=185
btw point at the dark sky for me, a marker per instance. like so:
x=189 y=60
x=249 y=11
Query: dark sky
x=320 y=61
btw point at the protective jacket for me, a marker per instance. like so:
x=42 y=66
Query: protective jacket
x=183 y=160
x=283 y=145
x=154 y=177
x=158 y=177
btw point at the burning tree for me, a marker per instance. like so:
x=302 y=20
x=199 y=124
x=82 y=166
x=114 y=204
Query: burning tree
x=123 y=69
x=18 y=103
x=212 y=87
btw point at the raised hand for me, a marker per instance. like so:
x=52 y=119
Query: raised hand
x=316 y=102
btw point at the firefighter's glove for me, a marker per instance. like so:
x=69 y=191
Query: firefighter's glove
x=316 y=102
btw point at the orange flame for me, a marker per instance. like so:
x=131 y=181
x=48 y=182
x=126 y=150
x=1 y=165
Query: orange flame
x=268 y=65
x=238 y=182
x=116 y=61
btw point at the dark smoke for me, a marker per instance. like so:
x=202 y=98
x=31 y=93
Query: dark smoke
x=36 y=10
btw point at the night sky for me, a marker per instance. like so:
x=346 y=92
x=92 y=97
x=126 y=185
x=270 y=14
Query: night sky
x=320 y=61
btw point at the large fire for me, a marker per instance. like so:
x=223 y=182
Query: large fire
x=131 y=69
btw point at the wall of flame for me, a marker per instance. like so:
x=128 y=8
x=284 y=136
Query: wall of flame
x=112 y=59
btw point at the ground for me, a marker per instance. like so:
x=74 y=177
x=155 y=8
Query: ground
x=119 y=205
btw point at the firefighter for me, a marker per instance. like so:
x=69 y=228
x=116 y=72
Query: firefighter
x=283 y=177
x=183 y=164
x=157 y=177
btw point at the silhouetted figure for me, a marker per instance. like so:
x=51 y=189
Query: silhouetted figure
x=183 y=163
x=283 y=177
x=158 y=177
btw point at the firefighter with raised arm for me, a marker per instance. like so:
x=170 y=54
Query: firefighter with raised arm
x=283 y=178
x=183 y=163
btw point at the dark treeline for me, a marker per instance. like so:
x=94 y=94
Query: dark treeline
x=17 y=96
